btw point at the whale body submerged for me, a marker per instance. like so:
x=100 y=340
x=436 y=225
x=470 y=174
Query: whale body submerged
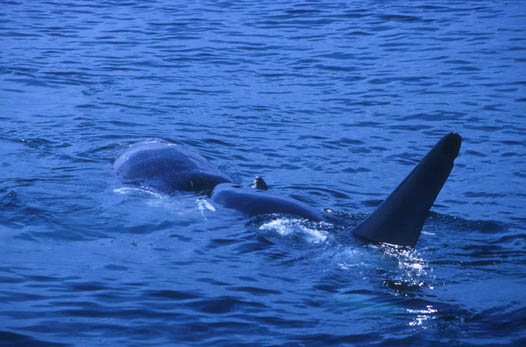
x=398 y=220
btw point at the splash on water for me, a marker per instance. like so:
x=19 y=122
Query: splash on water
x=294 y=227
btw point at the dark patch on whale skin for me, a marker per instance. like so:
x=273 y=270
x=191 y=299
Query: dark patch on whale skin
x=259 y=183
x=253 y=202
x=167 y=167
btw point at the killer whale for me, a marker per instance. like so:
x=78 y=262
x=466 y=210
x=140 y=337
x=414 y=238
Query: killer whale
x=398 y=220
x=167 y=167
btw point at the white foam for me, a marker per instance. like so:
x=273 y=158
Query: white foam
x=204 y=205
x=129 y=190
x=287 y=227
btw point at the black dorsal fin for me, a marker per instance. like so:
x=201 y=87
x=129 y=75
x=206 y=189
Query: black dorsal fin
x=399 y=219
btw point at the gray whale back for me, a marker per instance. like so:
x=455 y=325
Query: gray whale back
x=167 y=167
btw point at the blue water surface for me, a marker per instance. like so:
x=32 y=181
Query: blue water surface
x=332 y=103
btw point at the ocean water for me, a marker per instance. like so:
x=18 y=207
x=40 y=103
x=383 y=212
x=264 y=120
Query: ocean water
x=332 y=103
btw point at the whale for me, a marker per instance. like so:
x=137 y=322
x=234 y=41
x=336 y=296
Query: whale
x=167 y=167
x=253 y=202
x=398 y=220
